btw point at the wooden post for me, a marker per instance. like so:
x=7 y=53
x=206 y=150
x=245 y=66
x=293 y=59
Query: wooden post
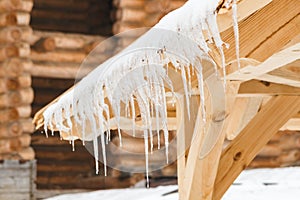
x=184 y=134
x=207 y=144
x=241 y=151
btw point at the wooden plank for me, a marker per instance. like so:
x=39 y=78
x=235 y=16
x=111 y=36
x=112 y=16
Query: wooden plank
x=277 y=40
x=292 y=125
x=184 y=132
x=252 y=33
x=245 y=110
x=262 y=88
x=245 y=9
x=17 y=179
x=276 y=61
x=279 y=80
x=290 y=71
x=206 y=147
x=241 y=151
x=15 y=196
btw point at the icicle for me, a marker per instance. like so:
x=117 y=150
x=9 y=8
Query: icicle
x=73 y=144
x=189 y=81
x=83 y=131
x=46 y=126
x=95 y=144
x=106 y=109
x=236 y=32
x=164 y=124
x=186 y=92
x=103 y=152
x=120 y=135
x=223 y=65
x=201 y=91
x=149 y=123
x=133 y=114
x=157 y=120
x=146 y=157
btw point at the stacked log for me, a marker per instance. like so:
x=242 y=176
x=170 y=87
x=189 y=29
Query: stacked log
x=282 y=151
x=135 y=14
x=56 y=59
x=60 y=55
x=16 y=93
x=58 y=167
x=131 y=14
x=72 y=16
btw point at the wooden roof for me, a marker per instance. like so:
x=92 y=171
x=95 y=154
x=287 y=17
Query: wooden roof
x=270 y=48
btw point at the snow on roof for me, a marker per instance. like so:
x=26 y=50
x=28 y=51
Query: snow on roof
x=138 y=76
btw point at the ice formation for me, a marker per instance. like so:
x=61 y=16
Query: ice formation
x=139 y=76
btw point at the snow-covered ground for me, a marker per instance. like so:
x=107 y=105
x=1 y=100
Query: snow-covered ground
x=259 y=184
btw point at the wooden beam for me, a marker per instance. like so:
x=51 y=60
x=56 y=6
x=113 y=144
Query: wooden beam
x=246 y=109
x=297 y=115
x=276 y=61
x=292 y=125
x=242 y=150
x=279 y=80
x=290 y=71
x=184 y=135
x=277 y=40
x=205 y=150
x=245 y=9
x=260 y=26
x=263 y=88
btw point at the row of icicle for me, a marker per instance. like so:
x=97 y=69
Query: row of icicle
x=139 y=74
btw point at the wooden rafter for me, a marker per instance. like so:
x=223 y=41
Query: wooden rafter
x=185 y=133
x=201 y=166
x=271 y=18
x=276 y=61
x=292 y=125
x=263 y=88
x=242 y=150
x=246 y=109
x=277 y=40
x=246 y=8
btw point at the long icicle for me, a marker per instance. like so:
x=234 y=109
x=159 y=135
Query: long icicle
x=236 y=32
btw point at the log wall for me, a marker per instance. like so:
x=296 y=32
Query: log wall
x=17 y=171
x=60 y=55
x=282 y=151
x=58 y=167
x=73 y=16
x=134 y=14
x=16 y=93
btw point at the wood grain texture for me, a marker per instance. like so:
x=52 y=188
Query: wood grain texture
x=241 y=151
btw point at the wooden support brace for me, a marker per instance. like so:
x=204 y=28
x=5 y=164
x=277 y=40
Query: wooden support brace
x=276 y=61
x=206 y=145
x=263 y=88
x=184 y=134
x=242 y=150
